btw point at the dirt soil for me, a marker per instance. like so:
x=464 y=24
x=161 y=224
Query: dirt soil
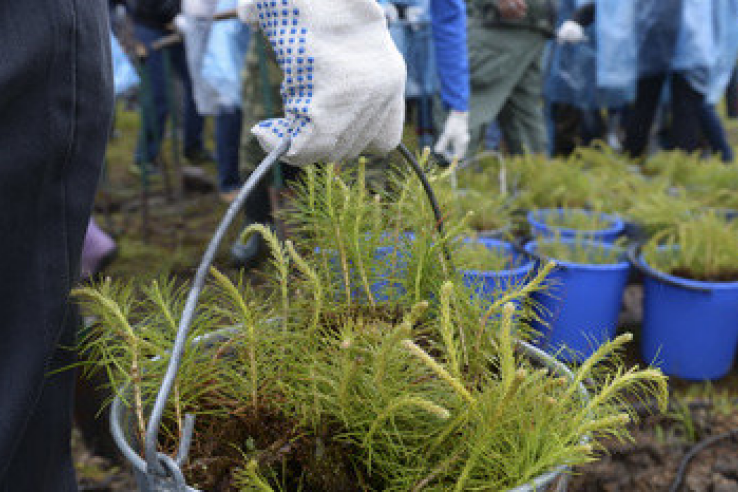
x=650 y=462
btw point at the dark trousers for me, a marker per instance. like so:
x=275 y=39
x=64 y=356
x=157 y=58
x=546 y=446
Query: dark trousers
x=228 y=125
x=685 y=107
x=731 y=96
x=55 y=112
x=158 y=94
x=714 y=133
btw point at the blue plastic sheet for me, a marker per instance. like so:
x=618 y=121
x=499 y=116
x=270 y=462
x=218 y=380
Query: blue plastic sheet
x=657 y=26
x=698 y=38
x=223 y=62
x=617 y=51
x=600 y=72
x=125 y=77
x=726 y=34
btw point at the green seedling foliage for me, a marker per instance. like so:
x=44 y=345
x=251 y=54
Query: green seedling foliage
x=476 y=256
x=661 y=208
x=581 y=251
x=580 y=220
x=703 y=248
x=325 y=382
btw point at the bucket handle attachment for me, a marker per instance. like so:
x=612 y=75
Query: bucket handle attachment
x=157 y=465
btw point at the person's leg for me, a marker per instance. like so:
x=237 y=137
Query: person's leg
x=641 y=115
x=521 y=119
x=686 y=104
x=567 y=125
x=193 y=124
x=58 y=90
x=154 y=96
x=731 y=96
x=228 y=125
x=712 y=129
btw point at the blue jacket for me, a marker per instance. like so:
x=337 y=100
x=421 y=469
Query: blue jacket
x=449 y=35
x=448 y=51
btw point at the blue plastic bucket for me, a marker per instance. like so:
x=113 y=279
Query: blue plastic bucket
x=492 y=284
x=383 y=280
x=539 y=225
x=690 y=328
x=580 y=305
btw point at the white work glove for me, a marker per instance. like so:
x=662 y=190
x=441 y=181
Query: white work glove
x=181 y=23
x=344 y=80
x=571 y=32
x=454 y=140
x=390 y=12
x=415 y=15
x=194 y=9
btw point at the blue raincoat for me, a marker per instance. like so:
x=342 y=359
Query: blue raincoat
x=698 y=38
x=225 y=54
x=435 y=51
x=599 y=72
x=125 y=77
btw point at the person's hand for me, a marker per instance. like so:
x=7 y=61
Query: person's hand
x=199 y=8
x=512 y=9
x=454 y=140
x=181 y=23
x=415 y=15
x=570 y=32
x=344 y=80
x=390 y=12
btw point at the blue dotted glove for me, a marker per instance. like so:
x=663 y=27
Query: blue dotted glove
x=344 y=80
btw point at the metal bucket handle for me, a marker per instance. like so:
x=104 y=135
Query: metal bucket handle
x=158 y=465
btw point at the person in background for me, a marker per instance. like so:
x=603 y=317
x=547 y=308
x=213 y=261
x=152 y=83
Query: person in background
x=152 y=20
x=506 y=43
x=410 y=21
x=56 y=101
x=591 y=72
x=692 y=44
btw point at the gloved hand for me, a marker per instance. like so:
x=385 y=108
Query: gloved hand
x=199 y=8
x=454 y=140
x=390 y=12
x=344 y=80
x=571 y=32
x=512 y=9
x=415 y=15
x=181 y=23
x=194 y=9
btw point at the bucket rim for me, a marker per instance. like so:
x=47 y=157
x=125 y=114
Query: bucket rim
x=621 y=265
x=687 y=283
x=488 y=242
x=534 y=219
